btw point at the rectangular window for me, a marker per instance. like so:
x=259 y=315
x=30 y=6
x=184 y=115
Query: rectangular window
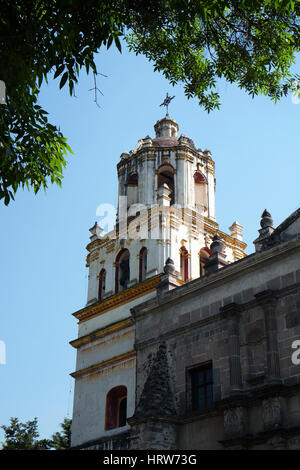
x=202 y=387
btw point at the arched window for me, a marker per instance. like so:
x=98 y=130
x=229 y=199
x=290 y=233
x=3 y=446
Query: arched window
x=203 y=258
x=122 y=270
x=116 y=408
x=200 y=185
x=184 y=264
x=142 y=264
x=166 y=175
x=132 y=189
x=101 y=286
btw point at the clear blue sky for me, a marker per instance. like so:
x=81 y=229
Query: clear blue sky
x=255 y=144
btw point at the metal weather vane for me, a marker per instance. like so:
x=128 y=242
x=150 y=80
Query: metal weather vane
x=167 y=101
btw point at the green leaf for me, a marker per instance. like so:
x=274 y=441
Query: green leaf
x=6 y=199
x=194 y=43
x=63 y=80
x=59 y=70
x=118 y=44
x=109 y=42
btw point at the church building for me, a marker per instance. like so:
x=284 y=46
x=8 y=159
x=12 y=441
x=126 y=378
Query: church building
x=185 y=342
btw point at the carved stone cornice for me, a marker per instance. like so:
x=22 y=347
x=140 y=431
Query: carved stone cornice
x=211 y=167
x=255 y=396
x=266 y=297
x=94 y=255
x=231 y=271
x=246 y=442
x=95 y=368
x=99 y=242
x=101 y=333
x=155 y=418
x=231 y=310
x=117 y=300
x=232 y=242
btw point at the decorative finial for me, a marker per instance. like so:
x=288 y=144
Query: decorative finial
x=166 y=102
x=217 y=245
x=217 y=259
x=169 y=267
x=266 y=223
x=266 y=219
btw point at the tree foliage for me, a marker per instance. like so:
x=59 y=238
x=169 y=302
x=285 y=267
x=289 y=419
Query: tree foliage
x=194 y=42
x=25 y=436
x=250 y=43
x=62 y=440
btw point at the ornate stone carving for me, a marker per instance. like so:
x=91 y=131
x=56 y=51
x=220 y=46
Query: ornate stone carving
x=271 y=413
x=235 y=422
x=278 y=443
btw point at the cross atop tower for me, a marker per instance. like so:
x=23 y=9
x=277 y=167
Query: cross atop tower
x=166 y=102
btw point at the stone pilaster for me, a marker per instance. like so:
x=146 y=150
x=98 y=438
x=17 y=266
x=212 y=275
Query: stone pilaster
x=232 y=313
x=163 y=195
x=268 y=300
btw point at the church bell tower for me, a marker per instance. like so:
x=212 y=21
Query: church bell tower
x=166 y=211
